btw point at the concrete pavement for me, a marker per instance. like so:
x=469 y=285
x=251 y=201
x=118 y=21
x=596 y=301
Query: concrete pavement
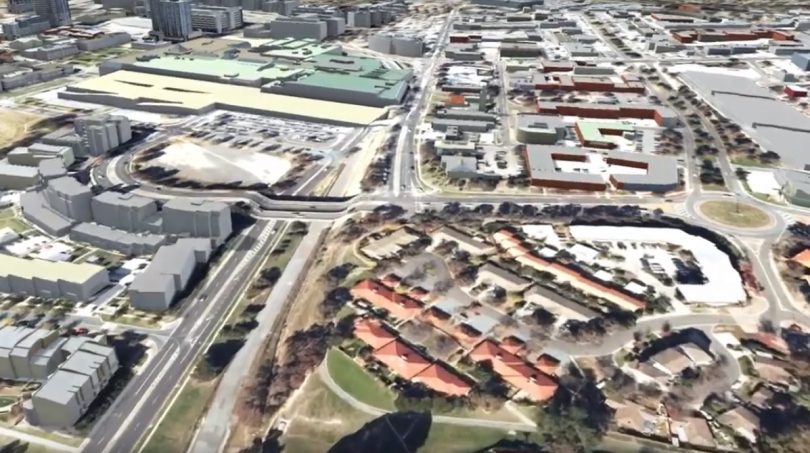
x=144 y=398
x=215 y=428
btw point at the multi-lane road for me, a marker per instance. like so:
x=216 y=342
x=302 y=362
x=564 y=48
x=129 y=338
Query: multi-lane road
x=143 y=399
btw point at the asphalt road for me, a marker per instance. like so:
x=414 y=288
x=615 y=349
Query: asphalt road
x=143 y=399
x=215 y=428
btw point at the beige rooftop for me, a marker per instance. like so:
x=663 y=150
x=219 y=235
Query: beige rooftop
x=160 y=93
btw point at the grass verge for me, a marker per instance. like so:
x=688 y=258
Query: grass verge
x=735 y=214
x=352 y=378
x=175 y=431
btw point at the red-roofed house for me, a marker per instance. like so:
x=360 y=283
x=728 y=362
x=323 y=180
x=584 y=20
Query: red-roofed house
x=547 y=364
x=532 y=383
x=401 y=359
x=398 y=305
x=442 y=380
x=802 y=258
x=373 y=333
x=391 y=280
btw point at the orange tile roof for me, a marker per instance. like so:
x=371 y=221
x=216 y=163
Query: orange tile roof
x=442 y=380
x=535 y=384
x=401 y=359
x=373 y=333
x=802 y=258
x=398 y=305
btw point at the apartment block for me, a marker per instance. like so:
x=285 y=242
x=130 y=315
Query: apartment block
x=125 y=211
x=108 y=238
x=103 y=133
x=25 y=26
x=70 y=198
x=68 y=393
x=299 y=27
x=156 y=288
x=51 y=279
x=197 y=218
x=17 y=177
x=31 y=156
x=216 y=19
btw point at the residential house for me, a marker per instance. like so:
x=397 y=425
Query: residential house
x=442 y=380
x=465 y=242
x=744 y=422
x=492 y=274
x=397 y=305
x=532 y=383
x=401 y=359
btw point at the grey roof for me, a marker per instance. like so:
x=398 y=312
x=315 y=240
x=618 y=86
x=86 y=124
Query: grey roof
x=123 y=199
x=36 y=210
x=17 y=170
x=540 y=122
x=460 y=164
x=502 y=274
x=122 y=239
x=37 y=335
x=68 y=186
x=773 y=124
x=83 y=362
x=167 y=262
x=540 y=164
x=11 y=336
x=466 y=114
x=463 y=124
x=73 y=344
x=61 y=386
x=195 y=205
x=662 y=171
x=52 y=168
x=563 y=302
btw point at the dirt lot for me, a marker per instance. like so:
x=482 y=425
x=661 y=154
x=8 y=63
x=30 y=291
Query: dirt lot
x=14 y=125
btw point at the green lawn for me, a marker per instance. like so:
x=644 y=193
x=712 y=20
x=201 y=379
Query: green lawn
x=460 y=439
x=9 y=219
x=177 y=428
x=356 y=381
x=735 y=214
x=319 y=418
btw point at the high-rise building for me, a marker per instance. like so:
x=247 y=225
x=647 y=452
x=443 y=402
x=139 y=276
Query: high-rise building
x=216 y=19
x=20 y=6
x=56 y=11
x=102 y=133
x=171 y=18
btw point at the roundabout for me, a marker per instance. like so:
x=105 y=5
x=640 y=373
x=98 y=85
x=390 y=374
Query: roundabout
x=735 y=214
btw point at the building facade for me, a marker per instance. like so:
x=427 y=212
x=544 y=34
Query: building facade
x=216 y=19
x=171 y=18
x=57 y=12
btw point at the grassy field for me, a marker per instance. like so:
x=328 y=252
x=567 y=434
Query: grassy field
x=9 y=219
x=735 y=214
x=318 y=419
x=177 y=428
x=356 y=381
x=460 y=439
x=15 y=125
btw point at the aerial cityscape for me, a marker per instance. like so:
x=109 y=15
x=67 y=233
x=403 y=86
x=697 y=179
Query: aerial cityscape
x=309 y=226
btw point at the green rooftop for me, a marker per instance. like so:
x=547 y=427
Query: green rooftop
x=248 y=72
x=368 y=67
x=388 y=89
x=603 y=131
x=297 y=49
